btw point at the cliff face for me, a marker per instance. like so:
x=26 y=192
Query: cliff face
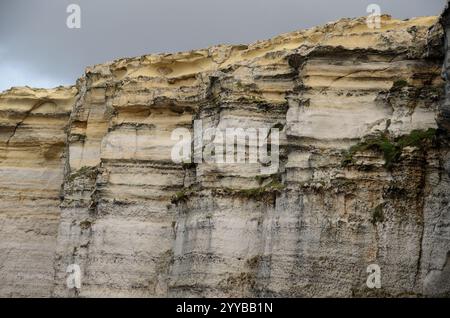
x=87 y=176
x=32 y=143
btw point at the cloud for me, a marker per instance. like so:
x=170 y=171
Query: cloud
x=13 y=74
x=39 y=49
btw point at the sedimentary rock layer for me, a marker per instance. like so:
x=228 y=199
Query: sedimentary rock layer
x=32 y=143
x=363 y=176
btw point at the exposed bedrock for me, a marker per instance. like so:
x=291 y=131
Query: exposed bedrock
x=87 y=176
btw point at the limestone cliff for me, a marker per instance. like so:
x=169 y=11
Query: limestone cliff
x=87 y=176
x=32 y=143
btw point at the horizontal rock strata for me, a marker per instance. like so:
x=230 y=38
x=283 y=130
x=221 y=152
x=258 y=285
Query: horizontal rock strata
x=87 y=176
x=32 y=144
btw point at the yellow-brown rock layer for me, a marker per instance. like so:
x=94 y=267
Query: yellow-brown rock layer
x=32 y=143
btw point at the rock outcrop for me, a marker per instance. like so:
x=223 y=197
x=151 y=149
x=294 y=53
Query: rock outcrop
x=87 y=176
x=32 y=144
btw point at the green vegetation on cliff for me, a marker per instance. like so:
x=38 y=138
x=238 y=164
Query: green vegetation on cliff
x=389 y=147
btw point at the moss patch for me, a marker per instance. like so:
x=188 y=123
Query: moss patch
x=274 y=186
x=416 y=138
x=399 y=84
x=391 y=149
x=265 y=192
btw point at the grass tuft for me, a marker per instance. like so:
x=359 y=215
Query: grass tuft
x=391 y=149
x=399 y=84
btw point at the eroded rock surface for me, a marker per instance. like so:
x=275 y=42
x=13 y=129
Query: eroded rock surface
x=363 y=175
x=32 y=144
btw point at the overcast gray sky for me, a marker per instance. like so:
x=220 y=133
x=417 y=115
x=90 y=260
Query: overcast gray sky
x=37 y=48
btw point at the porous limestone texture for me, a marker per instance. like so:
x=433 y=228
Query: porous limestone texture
x=32 y=143
x=363 y=175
